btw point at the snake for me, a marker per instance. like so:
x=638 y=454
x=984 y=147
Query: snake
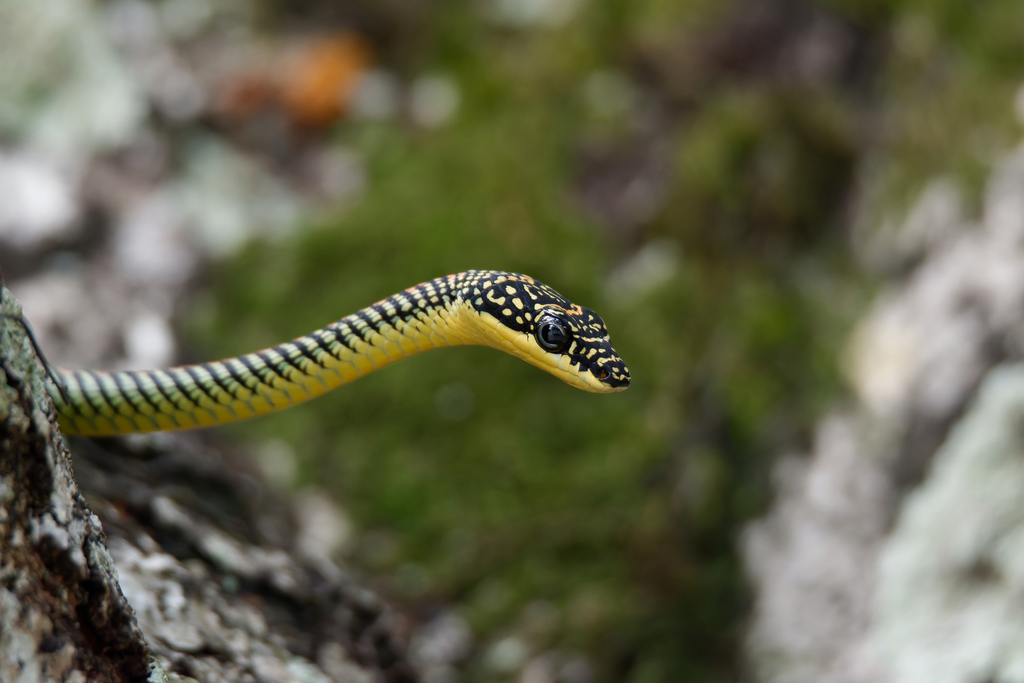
x=507 y=311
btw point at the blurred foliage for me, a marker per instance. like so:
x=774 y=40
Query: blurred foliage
x=946 y=93
x=480 y=481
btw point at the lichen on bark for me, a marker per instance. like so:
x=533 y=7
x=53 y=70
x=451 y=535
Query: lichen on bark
x=62 y=614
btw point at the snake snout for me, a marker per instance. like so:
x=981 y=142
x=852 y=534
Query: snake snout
x=612 y=375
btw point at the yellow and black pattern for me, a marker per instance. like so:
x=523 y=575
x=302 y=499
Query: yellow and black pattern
x=507 y=311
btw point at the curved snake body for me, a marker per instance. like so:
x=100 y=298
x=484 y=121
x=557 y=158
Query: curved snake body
x=507 y=311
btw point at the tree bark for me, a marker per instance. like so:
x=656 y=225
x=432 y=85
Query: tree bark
x=62 y=613
x=205 y=555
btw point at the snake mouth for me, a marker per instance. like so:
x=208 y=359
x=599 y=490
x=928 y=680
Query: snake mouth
x=608 y=378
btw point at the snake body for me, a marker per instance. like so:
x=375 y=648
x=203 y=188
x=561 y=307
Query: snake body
x=506 y=311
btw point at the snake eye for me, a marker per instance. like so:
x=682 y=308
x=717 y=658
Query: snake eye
x=552 y=335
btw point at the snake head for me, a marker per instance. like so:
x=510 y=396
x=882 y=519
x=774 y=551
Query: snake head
x=530 y=320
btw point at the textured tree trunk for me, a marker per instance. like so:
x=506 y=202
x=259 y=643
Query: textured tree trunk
x=62 y=614
x=221 y=590
x=893 y=551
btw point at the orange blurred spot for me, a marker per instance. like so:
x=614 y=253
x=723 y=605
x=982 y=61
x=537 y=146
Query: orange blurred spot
x=317 y=84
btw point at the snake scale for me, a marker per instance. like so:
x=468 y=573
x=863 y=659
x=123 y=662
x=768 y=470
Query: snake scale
x=506 y=311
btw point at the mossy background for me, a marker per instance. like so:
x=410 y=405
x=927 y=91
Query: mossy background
x=483 y=485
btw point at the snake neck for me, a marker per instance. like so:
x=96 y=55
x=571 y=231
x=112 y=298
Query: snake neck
x=428 y=316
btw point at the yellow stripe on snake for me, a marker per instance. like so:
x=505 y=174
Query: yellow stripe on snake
x=506 y=311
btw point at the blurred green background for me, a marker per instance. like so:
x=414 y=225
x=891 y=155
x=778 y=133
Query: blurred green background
x=698 y=173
